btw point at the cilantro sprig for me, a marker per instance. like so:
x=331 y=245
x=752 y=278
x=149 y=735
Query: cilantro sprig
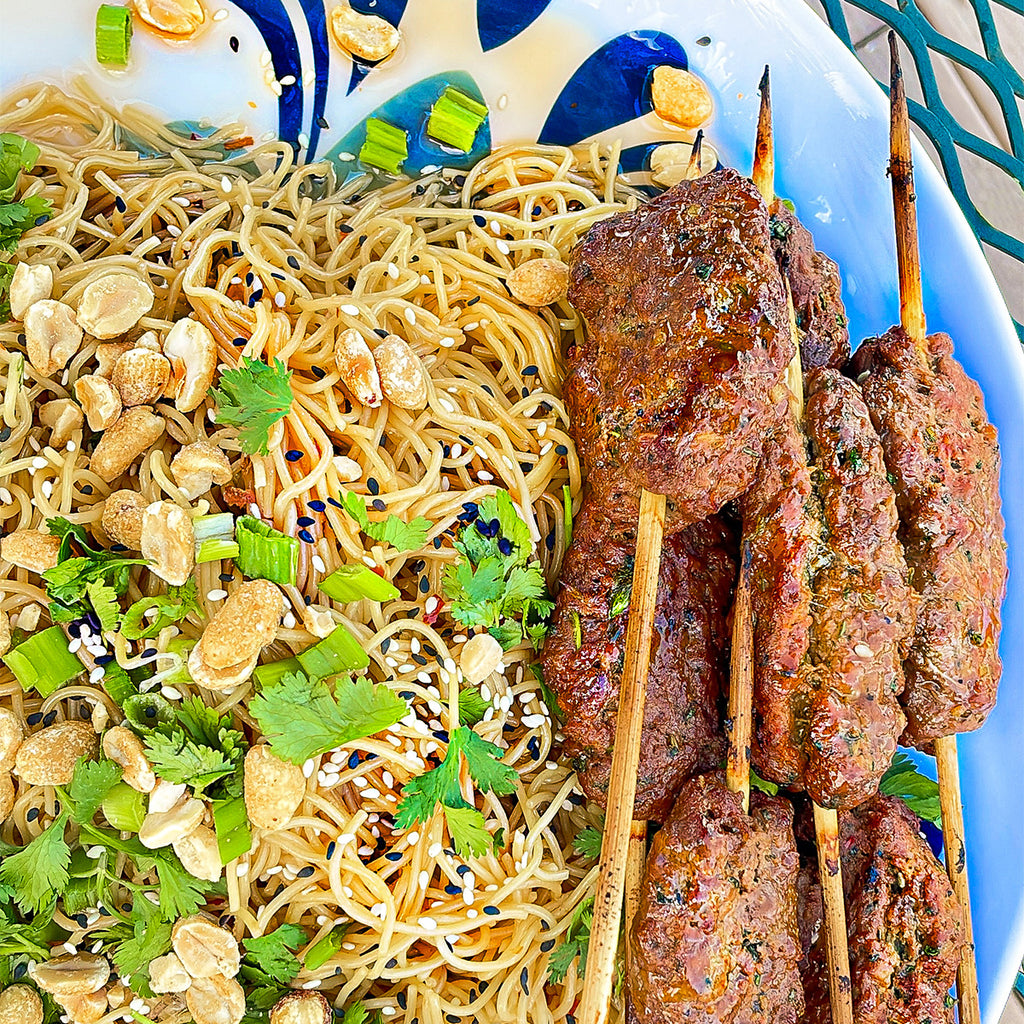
x=439 y=787
x=253 y=397
x=393 y=530
x=575 y=944
x=495 y=584
x=917 y=791
x=302 y=719
x=588 y=842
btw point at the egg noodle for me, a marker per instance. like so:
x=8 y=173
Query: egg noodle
x=277 y=260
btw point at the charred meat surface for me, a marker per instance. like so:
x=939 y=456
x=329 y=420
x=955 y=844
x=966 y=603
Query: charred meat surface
x=903 y=920
x=687 y=336
x=585 y=649
x=715 y=937
x=943 y=456
x=833 y=609
x=817 y=291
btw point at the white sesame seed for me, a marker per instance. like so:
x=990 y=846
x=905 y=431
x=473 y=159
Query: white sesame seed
x=430 y=169
x=379 y=910
x=217 y=594
x=71 y=446
x=6 y=496
x=393 y=271
x=863 y=650
x=303 y=140
x=94 y=852
x=319 y=564
x=96 y=674
x=533 y=721
x=173 y=230
x=482 y=474
x=182 y=201
x=503 y=101
x=220 y=15
x=428 y=923
x=289 y=621
x=410 y=315
x=287 y=80
x=241 y=870
x=275 y=88
x=446 y=405
x=266 y=59
x=308 y=768
x=370 y=794
x=503 y=248
x=39 y=462
x=350 y=309
x=414 y=838
x=170 y=692
x=279 y=299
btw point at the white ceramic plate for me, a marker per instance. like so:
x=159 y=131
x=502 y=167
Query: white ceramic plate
x=831 y=124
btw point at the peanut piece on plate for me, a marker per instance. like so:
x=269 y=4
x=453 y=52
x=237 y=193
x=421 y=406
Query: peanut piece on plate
x=122 y=518
x=538 y=282
x=138 y=429
x=71 y=974
x=7 y=794
x=123 y=747
x=113 y=304
x=244 y=624
x=363 y=35
x=358 y=370
x=479 y=657
x=30 y=549
x=47 y=758
x=198 y=466
x=100 y=400
x=204 y=948
x=301 y=1008
x=20 y=1004
x=84 y=1009
x=141 y=375
x=30 y=283
x=401 y=373
x=680 y=97
x=169 y=542
x=273 y=788
x=12 y=735
x=162 y=828
x=166 y=974
x=52 y=335
x=190 y=347
x=63 y=417
x=199 y=853
x=179 y=18
x=215 y=1000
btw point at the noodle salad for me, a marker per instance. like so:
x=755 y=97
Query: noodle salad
x=285 y=484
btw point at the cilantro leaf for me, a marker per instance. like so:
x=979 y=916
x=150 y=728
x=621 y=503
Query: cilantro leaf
x=357 y=1013
x=181 y=894
x=575 y=944
x=471 y=706
x=440 y=787
x=253 y=397
x=272 y=955
x=917 y=791
x=92 y=781
x=176 y=758
x=39 y=872
x=323 y=949
x=302 y=719
x=588 y=842
x=391 y=530
x=103 y=599
x=16 y=155
x=763 y=785
x=148 y=939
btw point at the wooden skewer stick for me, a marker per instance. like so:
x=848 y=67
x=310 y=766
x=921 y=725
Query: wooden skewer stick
x=741 y=687
x=908 y=257
x=693 y=167
x=604 y=931
x=826 y=821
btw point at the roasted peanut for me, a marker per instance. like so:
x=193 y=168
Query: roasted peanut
x=363 y=35
x=166 y=974
x=179 y=18
x=52 y=335
x=222 y=680
x=538 y=282
x=165 y=795
x=108 y=353
x=30 y=549
x=122 y=518
x=190 y=347
x=137 y=429
x=28 y=617
x=47 y=758
x=84 y=1009
x=244 y=625
x=63 y=417
x=348 y=470
x=20 y=1004
x=161 y=828
x=401 y=375
x=273 y=788
x=680 y=97
x=31 y=283
x=113 y=304
x=215 y=1000
x=123 y=747
x=198 y=466
x=479 y=657
x=100 y=400
x=5 y=646
x=7 y=793
x=141 y=376
x=301 y=1008
x=199 y=853
x=357 y=368
x=169 y=542
x=72 y=974
x=204 y=948
x=147 y=340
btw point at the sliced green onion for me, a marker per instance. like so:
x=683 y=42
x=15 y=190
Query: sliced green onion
x=113 y=34
x=385 y=147
x=567 y=506
x=124 y=808
x=356 y=582
x=338 y=652
x=118 y=683
x=323 y=949
x=455 y=119
x=181 y=646
x=145 y=711
x=43 y=662
x=215 y=537
x=274 y=671
x=215 y=550
x=231 y=824
x=265 y=553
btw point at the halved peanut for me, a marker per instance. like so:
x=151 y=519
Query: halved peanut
x=401 y=374
x=84 y=1009
x=122 y=518
x=72 y=974
x=148 y=340
x=113 y=304
x=199 y=853
x=30 y=283
x=20 y=1004
x=680 y=97
x=538 y=282
x=479 y=657
x=243 y=626
x=198 y=466
x=166 y=974
x=180 y=18
x=161 y=828
x=141 y=375
x=52 y=335
x=215 y=1000
x=30 y=549
x=63 y=417
x=5 y=646
x=191 y=348
x=28 y=617
x=108 y=353
x=357 y=368
x=123 y=747
x=7 y=794
x=137 y=429
x=204 y=948
x=101 y=401
x=301 y=1008
x=48 y=757
x=222 y=680
x=169 y=542
x=273 y=788
x=363 y=35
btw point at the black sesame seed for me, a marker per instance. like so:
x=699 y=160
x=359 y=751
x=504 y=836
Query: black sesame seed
x=402 y=1000
x=305 y=521
x=380 y=332
x=255 y=297
x=346 y=229
x=353 y=759
x=119 y=204
x=20 y=970
x=424 y=585
x=379 y=505
x=407 y=695
x=306 y=872
x=372 y=486
x=50 y=717
x=526 y=392
x=391 y=964
x=385 y=644
x=487 y=388
x=462 y=869
x=491 y=911
x=331 y=846
x=293 y=455
x=293 y=263
x=35 y=719
x=32 y=814
x=149 y=652
x=119 y=548
x=225 y=577
x=238 y=342
x=453 y=1018
x=233 y=43
x=86 y=488
x=317 y=505
x=704 y=41
x=484 y=986
x=441 y=735
x=447 y=451
x=561 y=449
x=321 y=122
x=453 y=890
x=524 y=980
x=370 y=757
x=530 y=371
x=319 y=372
x=276 y=276
x=335 y=503
x=479 y=221
x=473 y=301
x=549 y=541
x=505 y=545
x=546 y=947
x=419 y=659
x=306 y=536
x=5 y=433
x=394 y=857
x=437 y=543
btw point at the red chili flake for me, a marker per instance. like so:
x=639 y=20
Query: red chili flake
x=379 y=570
x=238 y=497
x=245 y=140
x=431 y=617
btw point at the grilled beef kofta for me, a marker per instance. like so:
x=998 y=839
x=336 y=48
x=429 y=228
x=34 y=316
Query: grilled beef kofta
x=833 y=609
x=817 y=291
x=715 y=936
x=942 y=455
x=585 y=649
x=905 y=926
x=688 y=335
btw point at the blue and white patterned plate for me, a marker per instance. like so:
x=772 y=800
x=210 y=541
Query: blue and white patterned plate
x=568 y=70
